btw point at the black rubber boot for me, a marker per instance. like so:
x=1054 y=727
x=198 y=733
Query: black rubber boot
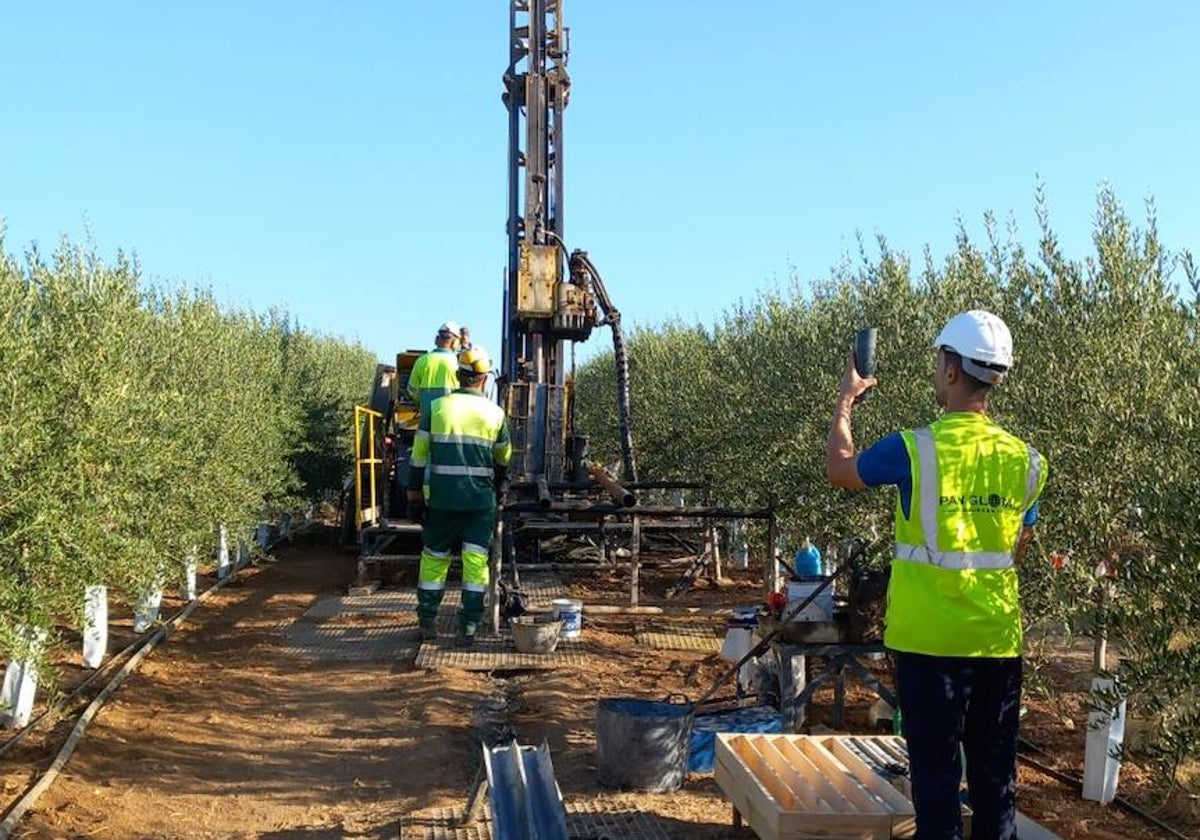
x=471 y=613
x=428 y=601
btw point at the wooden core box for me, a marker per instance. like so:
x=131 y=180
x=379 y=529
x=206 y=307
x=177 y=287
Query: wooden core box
x=810 y=787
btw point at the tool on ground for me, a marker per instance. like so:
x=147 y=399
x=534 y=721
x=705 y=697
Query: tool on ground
x=759 y=649
x=864 y=357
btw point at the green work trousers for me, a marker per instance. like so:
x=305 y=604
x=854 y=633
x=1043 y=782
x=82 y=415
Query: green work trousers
x=442 y=533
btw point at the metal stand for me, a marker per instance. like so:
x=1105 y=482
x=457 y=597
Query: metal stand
x=839 y=659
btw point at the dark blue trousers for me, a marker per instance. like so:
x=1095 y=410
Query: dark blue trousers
x=950 y=701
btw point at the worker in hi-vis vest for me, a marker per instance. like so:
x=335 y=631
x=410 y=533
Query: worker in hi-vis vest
x=435 y=373
x=460 y=454
x=966 y=505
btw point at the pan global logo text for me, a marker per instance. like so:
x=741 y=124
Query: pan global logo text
x=991 y=501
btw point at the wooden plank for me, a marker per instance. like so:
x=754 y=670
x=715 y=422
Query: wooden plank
x=739 y=786
x=904 y=819
x=751 y=792
x=837 y=803
x=841 y=778
x=796 y=781
x=747 y=750
x=867 y=775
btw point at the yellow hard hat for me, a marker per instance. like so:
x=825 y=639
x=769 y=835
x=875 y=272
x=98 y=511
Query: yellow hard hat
x=474 y=360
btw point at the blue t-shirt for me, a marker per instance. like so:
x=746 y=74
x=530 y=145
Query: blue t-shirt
x=887 y=463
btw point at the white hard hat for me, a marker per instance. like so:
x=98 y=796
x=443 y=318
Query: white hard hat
x=983 y=341
x=450 y=328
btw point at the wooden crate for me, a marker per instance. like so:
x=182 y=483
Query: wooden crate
x=802 y=787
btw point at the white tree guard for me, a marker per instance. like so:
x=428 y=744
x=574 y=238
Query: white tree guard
x=146 y=612
x=95 y=626
x=1106 y=732
x=223 y=554
x=187 y=588
x=20 y=686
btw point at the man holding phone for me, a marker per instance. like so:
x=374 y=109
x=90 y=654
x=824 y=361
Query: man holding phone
x=966 y=504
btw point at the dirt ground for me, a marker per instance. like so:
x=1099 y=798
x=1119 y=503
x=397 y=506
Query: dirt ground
x=222 y=735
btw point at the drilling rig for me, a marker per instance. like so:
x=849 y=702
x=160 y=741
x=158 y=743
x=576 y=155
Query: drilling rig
x=552 y=296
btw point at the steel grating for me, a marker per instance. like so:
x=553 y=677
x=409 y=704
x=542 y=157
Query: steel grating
x=385 y=602
x=495 y=653
x=538 y=590
x=350 y=643
x=697 y=637
x=585 y=821
x=382 y=626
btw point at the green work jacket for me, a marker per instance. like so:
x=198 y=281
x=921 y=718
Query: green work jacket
x=459 y=444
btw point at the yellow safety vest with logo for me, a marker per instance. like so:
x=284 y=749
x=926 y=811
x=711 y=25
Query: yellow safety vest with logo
x=953 y=589
x=433 y=375
x=459 y=444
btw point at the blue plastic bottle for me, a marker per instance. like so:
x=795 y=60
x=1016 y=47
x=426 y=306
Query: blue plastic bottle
x=808 y=560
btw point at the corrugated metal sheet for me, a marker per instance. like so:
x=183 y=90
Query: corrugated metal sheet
x=525 y=800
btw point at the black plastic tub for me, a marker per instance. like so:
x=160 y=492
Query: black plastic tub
x=642 y=744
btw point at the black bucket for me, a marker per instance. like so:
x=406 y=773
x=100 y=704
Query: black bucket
x=643 y=744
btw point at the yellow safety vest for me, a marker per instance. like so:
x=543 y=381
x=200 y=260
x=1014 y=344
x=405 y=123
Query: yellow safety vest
x=433 y=375
x=953 y=589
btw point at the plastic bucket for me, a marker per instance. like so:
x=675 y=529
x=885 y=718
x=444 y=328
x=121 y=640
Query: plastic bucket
x=570 y=612
x=531 y=636
x=642 y=744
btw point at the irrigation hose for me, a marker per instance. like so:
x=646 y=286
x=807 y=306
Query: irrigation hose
x=62 y=702
x=1074 y=781
x=31 y=796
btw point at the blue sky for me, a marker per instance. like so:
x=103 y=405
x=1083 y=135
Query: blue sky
x=347 y=160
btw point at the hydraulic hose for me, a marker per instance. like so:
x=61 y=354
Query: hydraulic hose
x=612 y=317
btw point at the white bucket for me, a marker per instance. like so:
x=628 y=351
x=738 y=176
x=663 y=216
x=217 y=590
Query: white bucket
x=821 y=608
x=571 y=614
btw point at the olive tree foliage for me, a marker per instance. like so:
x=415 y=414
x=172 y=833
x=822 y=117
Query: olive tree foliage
x=1106 y=385
x=137 y=420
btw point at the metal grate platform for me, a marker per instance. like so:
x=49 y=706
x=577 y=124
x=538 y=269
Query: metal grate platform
x=374 y=642
x=386 y=602
x=382 y=626
x=698 y=637
x=495 y=653
x=585 y=821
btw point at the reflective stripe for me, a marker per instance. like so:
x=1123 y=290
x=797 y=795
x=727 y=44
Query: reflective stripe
x=1035 y=476
x=468 y=440
x=956 y=560
x=432 y=586
x=474 y=587
x=417 y=463
x=927 y=463
x=474 y=549
x=454 y=469
x=422 y=434
x=437 y=555
x=929 y=552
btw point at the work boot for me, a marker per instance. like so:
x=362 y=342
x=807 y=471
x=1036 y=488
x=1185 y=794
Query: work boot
x=471 y=613
x=428 y=601
x=428 y=632
x=464 y=639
